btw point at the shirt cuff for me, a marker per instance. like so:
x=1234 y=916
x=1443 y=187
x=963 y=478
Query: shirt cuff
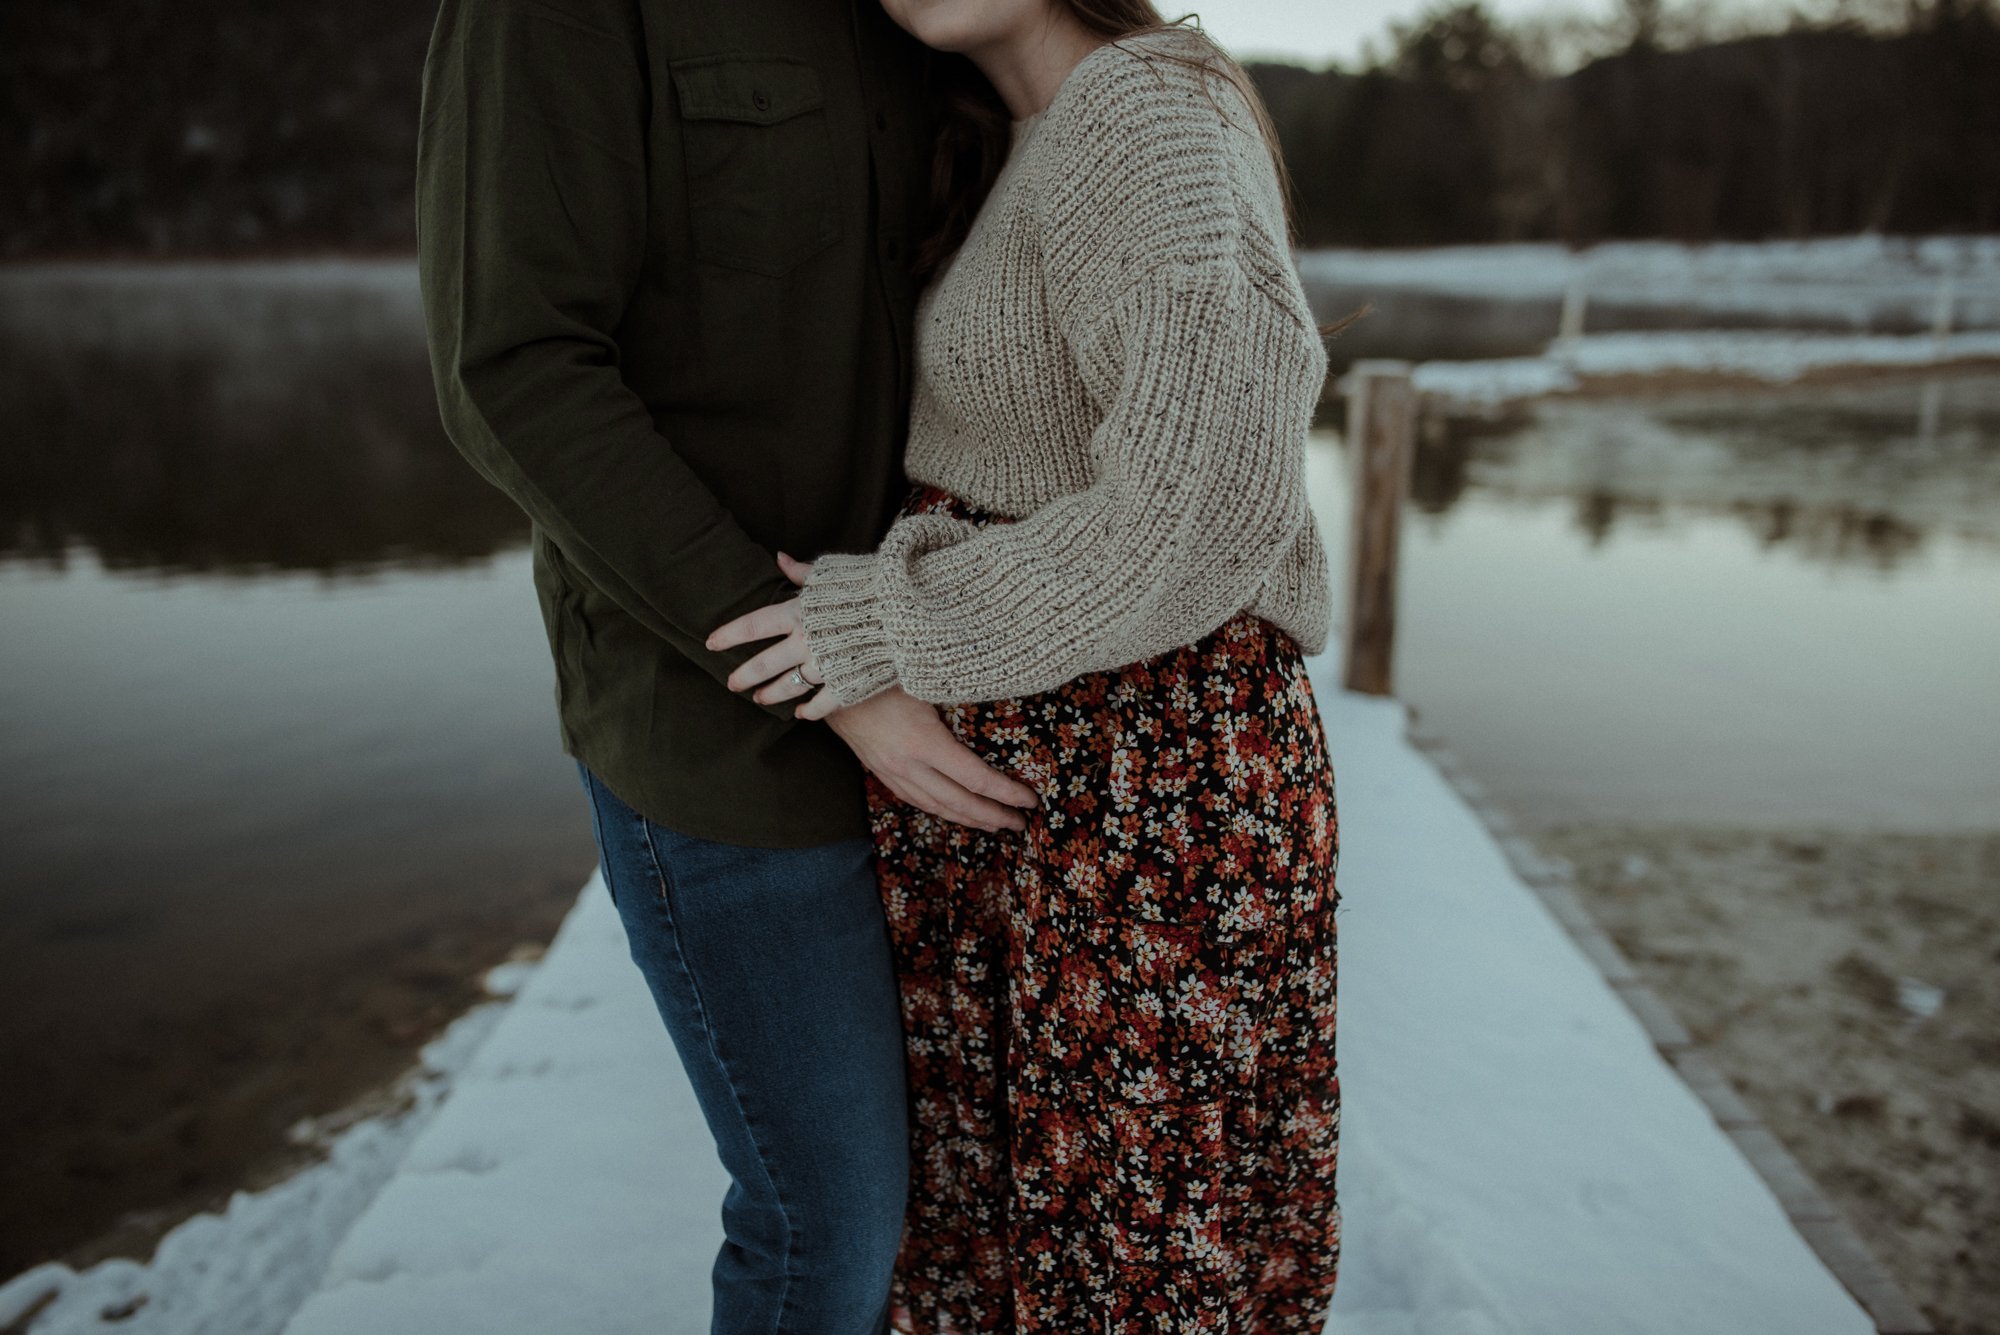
x=844 y=631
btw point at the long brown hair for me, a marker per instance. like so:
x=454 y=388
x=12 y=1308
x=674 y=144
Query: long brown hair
x=975 y=127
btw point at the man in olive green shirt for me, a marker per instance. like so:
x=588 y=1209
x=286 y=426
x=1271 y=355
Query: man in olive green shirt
x=664 y=248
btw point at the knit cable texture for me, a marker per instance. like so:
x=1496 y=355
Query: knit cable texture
x=1120 y=358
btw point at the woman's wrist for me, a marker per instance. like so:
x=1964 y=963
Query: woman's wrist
x=841 y=611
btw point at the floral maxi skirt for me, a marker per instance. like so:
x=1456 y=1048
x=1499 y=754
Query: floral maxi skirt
x=1120 y=1022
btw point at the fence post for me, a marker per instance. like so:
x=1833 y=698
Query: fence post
x=1382 y=433
x=1941 y=312
x=1576 y=304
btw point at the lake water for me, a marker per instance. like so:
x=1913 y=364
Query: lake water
x=267 y=648
x=276 y=713
x=279 y=766
x=1757 y=609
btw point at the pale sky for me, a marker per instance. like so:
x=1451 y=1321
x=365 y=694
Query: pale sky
x=1317 y=32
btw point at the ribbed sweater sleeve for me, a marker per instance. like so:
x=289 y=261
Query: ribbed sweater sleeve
x=1202 y=379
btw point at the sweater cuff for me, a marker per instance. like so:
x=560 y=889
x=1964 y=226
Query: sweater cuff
x=844 y=630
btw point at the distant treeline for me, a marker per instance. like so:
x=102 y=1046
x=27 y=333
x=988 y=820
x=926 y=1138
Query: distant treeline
x=235 y=126
x=208 y=126
x=1814 y=131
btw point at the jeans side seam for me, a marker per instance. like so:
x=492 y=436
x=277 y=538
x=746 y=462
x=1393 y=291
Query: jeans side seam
x=729 y=1078
x=597 y=828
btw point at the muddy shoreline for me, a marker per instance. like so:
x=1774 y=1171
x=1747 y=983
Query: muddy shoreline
x=208 y=1100
x=1845 y=982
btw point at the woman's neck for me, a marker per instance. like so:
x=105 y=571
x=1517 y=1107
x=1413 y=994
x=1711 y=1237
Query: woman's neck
x=1028 y=65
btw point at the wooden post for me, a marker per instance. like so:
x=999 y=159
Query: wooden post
x=1382 y=435
x=1576 y=303
x=1941 y=312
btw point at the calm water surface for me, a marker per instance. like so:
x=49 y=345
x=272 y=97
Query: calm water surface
x=1756 y=609
x=279 y=768
x=272 y=677
x=275 y=706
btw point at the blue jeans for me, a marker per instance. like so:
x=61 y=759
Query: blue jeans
x=771 y=968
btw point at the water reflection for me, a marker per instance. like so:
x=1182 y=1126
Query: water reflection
x=270 y=444
x=1755 y=609
x=279 y=771
x=1865 y=474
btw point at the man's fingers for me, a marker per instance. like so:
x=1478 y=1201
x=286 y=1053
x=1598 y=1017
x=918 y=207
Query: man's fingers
x=781 y=657
x=907 y=792
x=961 y=763
x=763 y=624
x=795 y=571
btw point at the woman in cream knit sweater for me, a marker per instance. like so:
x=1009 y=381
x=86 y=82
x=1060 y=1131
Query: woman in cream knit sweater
x=1120 y=1019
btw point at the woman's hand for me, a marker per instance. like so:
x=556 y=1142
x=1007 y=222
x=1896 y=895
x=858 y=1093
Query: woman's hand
x=785 y=670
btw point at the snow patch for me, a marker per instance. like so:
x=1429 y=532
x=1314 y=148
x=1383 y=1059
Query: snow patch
x=1502 y=380
x=1858 y=281
x=1777 y=357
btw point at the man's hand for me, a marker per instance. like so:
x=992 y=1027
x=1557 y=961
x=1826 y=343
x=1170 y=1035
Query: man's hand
x=903 y=742
x=789 y=656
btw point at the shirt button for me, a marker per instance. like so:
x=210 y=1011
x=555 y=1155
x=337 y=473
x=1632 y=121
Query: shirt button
x=760 y=101
x=881 y=120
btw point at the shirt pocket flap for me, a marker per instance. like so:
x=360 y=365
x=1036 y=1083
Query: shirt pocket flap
x=755 y=90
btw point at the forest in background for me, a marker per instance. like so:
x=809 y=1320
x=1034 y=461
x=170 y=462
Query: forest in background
x=142 y=127
x=1462 y=132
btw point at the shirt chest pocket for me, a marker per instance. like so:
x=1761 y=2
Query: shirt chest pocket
x=759 y=161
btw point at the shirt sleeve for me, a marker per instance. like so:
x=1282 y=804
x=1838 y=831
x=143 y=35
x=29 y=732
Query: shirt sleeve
x=1206 y=385
x=531 y=227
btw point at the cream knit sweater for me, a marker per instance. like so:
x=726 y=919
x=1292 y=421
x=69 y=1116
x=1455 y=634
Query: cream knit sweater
x=1121 y=358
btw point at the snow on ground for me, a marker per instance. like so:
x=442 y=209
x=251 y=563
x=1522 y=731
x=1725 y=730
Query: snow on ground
x=1770 y=356
x=1517 y=1158
x=246 y=1270
x=568 y=1185
x=1858 y=281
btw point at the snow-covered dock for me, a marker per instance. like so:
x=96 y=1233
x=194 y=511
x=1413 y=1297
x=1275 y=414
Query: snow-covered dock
x=1516 y=1155
x=1768 y=357
x=1859 y=284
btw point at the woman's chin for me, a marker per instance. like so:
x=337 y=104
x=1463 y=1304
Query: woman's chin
x=959 y=26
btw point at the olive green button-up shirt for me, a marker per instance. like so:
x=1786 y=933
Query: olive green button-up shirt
x=664 y=248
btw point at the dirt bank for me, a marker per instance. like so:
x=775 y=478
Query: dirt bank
x=1847 y=984
x=116 y=1137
